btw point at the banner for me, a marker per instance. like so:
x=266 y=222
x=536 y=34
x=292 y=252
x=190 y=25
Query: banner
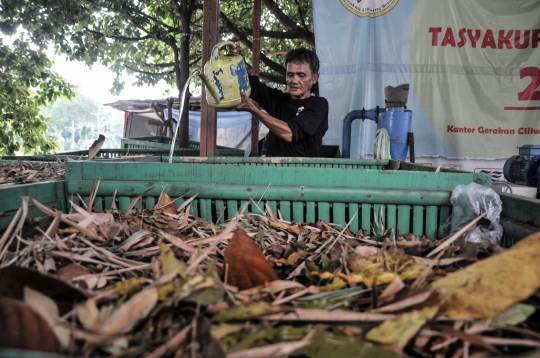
x=473 y=69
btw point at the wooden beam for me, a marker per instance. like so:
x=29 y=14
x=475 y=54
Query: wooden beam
x=256 y=50
x=208 y=114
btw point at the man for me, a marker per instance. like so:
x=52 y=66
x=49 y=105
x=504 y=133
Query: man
x=297 y=120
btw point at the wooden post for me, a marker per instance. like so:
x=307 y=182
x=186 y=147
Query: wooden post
x=411 y=146
x=256 y=50
x=208 y=114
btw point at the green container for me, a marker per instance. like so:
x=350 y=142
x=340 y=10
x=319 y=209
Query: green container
x=367 y=194
x=49 y=193
x=123 y=154
x=162 y=142
x=520 y=217
x=301 y=189
x=159 y=142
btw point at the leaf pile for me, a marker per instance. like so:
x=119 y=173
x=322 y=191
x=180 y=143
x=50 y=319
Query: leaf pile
x=162 y=282
x=27 y=172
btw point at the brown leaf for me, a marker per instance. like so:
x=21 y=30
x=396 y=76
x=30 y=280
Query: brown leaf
x=72 y=270
x=165 y=204
x=88 y=314
x=23 y=328
x=95 y=147
x=135 y=309
x=13 y=279
x=247 y=266
x=48 y=309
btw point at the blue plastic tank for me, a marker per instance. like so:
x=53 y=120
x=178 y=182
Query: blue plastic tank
x=398 y=122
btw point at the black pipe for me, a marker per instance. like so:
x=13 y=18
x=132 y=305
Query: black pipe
x=347 y=124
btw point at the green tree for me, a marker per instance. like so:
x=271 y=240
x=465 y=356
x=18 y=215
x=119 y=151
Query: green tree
x=76 y=123
x=160 y=39
x=26 y=84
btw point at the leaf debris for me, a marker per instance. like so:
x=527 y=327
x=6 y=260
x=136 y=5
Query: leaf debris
x=163 y=282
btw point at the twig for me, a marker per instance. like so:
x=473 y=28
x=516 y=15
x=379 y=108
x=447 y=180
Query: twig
x=457 y=235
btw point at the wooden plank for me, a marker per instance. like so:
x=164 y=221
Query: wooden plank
x=44 y=192
x=391 y=219
x=514 y=231
x=431 y=222
x=354 y=220
x=324 y=211
x=230 y=191
x=379 y=218
x=208 y=114
x=418 y=220
x=311 y=212
x=33 y=211
x=256 y=50
x=404 y=219
x=289 y=161
x=285 y=209
x=300 y=175
x=366 y=218
x=298 y=211
x=521 y=209
x=220 y=204
x=338 y=215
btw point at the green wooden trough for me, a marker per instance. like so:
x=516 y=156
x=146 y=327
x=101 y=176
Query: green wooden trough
x=365 y=194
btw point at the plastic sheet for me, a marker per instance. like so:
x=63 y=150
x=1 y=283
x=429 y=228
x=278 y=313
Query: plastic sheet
x=233 y=129
x=468 y=202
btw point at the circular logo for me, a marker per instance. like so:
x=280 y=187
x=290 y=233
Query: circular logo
x=371 y=8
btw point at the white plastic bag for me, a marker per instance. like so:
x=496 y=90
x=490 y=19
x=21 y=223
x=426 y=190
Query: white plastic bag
x=468 y=202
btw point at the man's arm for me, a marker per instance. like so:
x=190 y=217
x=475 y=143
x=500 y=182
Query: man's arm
x=277 y=126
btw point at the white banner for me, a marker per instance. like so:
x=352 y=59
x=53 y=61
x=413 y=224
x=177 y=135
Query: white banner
x=473 y=67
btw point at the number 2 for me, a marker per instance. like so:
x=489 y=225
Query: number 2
x=530 y=94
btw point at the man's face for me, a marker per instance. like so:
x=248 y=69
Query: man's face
x=300 y=79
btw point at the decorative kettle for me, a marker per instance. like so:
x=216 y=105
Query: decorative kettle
x=224 y=77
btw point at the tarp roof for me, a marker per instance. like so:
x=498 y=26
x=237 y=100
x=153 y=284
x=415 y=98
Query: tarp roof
x=147 y=105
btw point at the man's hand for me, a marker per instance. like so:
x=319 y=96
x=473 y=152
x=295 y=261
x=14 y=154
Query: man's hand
x=247 y=104
x=279 y=127
x=234 y=50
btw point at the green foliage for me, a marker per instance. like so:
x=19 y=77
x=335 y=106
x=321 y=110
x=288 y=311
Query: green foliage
x=26 y=84
x=145 y=39
x=78 y=122
x=150 y=40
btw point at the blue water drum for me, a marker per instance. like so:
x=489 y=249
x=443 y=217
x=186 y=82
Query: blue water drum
x=397 y=121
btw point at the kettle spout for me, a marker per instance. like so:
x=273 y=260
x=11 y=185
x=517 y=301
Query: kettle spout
x=210 y=87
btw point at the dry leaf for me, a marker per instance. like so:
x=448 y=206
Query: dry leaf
x=165 y=204
x=135 y=309
x=169 y=263
x=402 y=329
x=48 y=309
x=23 y=328
x=489 y=287
x=271 y=350
x=413 y=302
x=249 y=311
x=88 y=314
x=367 y=251
x=13 y=279
x=95 y=147
x=293 y=258
x=72 y=270
x=293 y=229
x=324 y=316
x=246 y=265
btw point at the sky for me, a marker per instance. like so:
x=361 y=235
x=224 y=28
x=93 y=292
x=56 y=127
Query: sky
x=96 y=82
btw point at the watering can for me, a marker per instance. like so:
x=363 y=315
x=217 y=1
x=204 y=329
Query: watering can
x=224 y=77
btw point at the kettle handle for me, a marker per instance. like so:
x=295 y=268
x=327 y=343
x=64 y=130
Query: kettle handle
x=220 y=46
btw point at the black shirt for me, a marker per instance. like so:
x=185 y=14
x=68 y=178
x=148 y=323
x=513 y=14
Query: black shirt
x=307 y=118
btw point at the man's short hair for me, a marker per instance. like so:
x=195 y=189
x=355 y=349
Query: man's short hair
x=303 y=55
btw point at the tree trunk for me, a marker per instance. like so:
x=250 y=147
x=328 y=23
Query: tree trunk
x=183 y=62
